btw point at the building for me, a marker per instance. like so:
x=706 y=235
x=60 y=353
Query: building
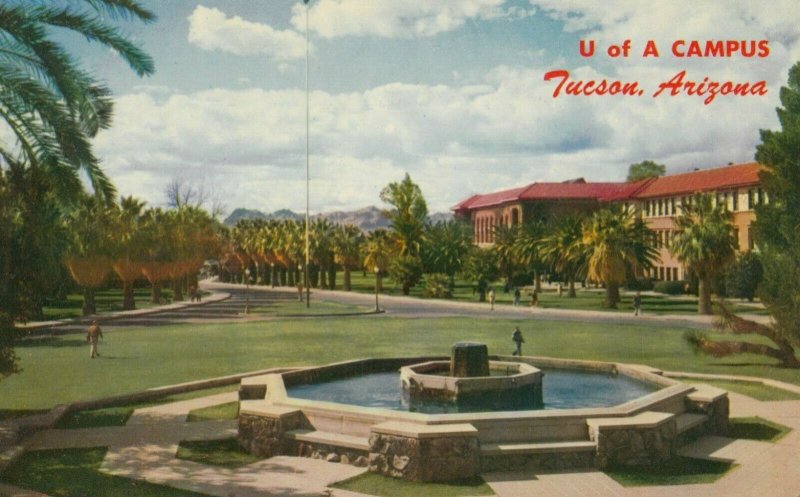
x=657 y=200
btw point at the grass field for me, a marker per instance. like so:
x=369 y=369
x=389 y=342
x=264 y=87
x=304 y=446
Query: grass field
x=58 y=369
x=751 y=389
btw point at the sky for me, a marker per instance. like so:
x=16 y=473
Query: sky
x=451 y=92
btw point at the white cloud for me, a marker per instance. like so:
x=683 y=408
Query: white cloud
x=396 y=18
x=211 y=29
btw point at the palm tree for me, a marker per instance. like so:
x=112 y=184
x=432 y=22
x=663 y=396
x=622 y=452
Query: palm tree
x=127 y=239
x=528 y=249
x=705 y=243
x=618 y=244
x=347 y=241
x=564 y=251
x=378 y=250
x=505 y=248
x=408 y=215
x=89 y=254
x=51 y=105
x=445 y=248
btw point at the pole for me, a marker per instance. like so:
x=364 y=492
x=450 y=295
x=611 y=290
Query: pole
x=308 y=174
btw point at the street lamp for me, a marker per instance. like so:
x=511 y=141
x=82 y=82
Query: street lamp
x=247 y=291
x=377 y=270
x=299 y=283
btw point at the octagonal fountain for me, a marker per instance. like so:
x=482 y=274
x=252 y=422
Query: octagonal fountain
x=439 y=418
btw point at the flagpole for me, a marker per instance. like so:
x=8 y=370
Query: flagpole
x=308 y=173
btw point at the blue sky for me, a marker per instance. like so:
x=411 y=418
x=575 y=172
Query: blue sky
x=450 y=91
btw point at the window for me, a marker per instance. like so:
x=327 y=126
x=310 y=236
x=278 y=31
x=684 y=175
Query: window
x=672 y=206
x=750 y=200
x=735 y=201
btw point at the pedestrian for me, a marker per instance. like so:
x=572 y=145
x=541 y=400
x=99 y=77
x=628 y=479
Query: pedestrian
x=491 y=297
x=534 y=299
x=516 y=336
x=93 y=335
x=517 y=296
x=637 y=304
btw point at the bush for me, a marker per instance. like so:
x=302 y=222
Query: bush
x=407 y=270
x=437 y=285
x=744 y=276
x=639 y=285
x=670 y=287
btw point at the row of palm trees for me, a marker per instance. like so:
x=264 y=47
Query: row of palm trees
x=611 y=246
x=167 y=247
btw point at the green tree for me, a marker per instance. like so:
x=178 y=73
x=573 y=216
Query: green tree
x=128 y=249
x=408 y=215
x=347 y=241
x=745 y=276
x=505 y=248
x=528 y=250
x=645 y=169
x=445 y=247
x=777 y=224
x=705 y=243
x=563 y=250
x=406 y=270
x=618 y=245
x=377 y=252
x=481 y=267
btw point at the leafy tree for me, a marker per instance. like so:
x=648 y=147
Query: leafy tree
x=408 y=215
x=744 y=276
x=564 y=251
x=481 y=267
x=407 y=270
x=128 y=249
x=645 y=169
x=528 y=249
x=777 y=224
x=445 y=247
x=618 y=244
x=505 y=247
x=347 y=241
x=377 y=252
x=705 y=243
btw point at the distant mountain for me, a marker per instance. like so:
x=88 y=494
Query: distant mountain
x=367 y=219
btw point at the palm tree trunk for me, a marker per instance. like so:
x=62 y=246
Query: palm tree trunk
x=537 y=281
x=283 y=272
x=332 y=277
x=89 y=305
x=323 y=277
x=572 y=293
x=155 y=295
x=704 y=296
x=612 y=295
x=347 y=281
x=128 y=302
x=177 y=290
x=290 y=281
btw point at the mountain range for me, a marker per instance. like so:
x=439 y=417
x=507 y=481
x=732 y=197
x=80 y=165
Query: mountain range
x=368 y=218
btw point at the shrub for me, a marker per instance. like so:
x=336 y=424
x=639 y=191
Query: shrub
x=639 y=284
x=669 y=287
x=437 y=285
x=744 y=276
x=407 y=270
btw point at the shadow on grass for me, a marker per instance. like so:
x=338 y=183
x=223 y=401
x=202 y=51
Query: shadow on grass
x=383 y=486
x=676 y=471
x=226 y=452
x=756 y=428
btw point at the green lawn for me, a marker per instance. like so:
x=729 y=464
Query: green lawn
x=119 y=415
x=372 y=484
x=676 y=471
x=756 y=428
x=75 y=473
x=106 y=301
x=587 y=299
x=58 y=369
x=751 y=389
x=229 y=410
x=226 y=452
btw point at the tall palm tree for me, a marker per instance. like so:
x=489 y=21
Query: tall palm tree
x=445 y=248
x=528 y=249
x=617 y=244
x=377 y=253
x=505 y=248
x=347 y=241
x=51 y=106
x=408 y=215
x=705 y=243
x=128 y=242
x=564 y=251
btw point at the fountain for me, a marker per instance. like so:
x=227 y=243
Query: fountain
x=473 y=383
x=444 y=419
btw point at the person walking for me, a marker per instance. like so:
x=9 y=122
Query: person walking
x=517 y=296
x=637 y=304
x=93 y=335
x=491 y=297
x=516 y=336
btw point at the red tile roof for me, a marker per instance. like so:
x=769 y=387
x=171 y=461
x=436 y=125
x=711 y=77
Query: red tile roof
x=719 y=178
